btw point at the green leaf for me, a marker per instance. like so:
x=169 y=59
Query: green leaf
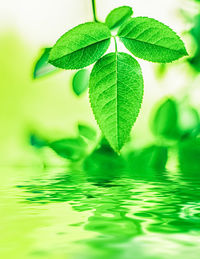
x=72 y=148
x=116 y=91
x=151 y=40
x=80 y=81
x=195 y=30
x=81 y=46
x=87 y=132
x=189 y=119
x=42 y=67
x=118 y=16
x=165 y=122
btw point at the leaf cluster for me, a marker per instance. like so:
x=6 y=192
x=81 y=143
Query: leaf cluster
x=116 y=81
x=73 y=149
x=176 y=127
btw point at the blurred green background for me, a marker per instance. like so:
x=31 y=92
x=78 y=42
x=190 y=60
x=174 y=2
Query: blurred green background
x=78 y=199
x=48 y=105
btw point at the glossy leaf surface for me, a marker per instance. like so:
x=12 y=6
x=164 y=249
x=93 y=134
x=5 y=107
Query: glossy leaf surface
x=151 y=40
x=81 y=46
x=116 y=92
x=117 y=16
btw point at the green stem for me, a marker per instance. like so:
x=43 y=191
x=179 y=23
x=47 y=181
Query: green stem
x=115 y=44
x=94 y=10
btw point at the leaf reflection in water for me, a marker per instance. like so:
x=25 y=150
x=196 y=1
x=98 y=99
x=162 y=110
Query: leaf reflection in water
x=127 y=209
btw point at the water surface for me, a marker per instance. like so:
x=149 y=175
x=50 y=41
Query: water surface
x=71 y=213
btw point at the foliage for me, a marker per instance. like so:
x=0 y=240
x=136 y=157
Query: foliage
x=174 y=120
x=118 y=16
x=116 y=83
x=42 y=67
x=80 y=81
x=165 y=122
x=151 y=40
x=73 y=149
x=81 y=46
x=70 y=148
x=175 y=125
x=181 y=123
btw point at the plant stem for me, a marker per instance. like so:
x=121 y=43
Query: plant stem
x=115 y=44
x=94 y=10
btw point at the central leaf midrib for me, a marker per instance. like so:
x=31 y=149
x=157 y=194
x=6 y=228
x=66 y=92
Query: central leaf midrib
x=80 y=49
x=131 y=39
x=117 y=113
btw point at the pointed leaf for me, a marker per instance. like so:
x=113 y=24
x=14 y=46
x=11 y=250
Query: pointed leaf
x=165 y=121
x=116 y=91
x=151 y=40
x=80 y=81
x=72 y=148
x=42 y=67
x=118 y=16
x=81 y=46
